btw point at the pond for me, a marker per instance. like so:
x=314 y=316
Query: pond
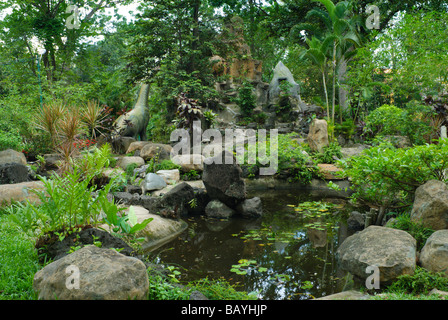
x=281 y=256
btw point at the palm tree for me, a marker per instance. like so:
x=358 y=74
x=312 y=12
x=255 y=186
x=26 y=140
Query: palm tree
x=318 y=53
x=341 y=30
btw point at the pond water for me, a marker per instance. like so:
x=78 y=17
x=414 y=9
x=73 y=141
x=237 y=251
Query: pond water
x=279 y=256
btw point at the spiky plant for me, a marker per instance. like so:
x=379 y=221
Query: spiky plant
x=94 y=116
x=48 y=118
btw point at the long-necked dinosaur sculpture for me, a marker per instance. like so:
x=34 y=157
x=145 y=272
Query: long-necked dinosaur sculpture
x=133 y=123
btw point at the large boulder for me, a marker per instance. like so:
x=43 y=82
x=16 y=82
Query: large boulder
x=124 y=162
x=170 y=176
x=189 y=162
x=431 y=205
x=152 y=182
x=102 y=274
x=55 y=249
x=12 y=156
x=137 y=146
x=434 y=255
x=159 y=231
x=155 y=150
x=223 y=180
x=176 y=202
x=13 y=173
x=392 y=251
x=20 y=192
x=318 y=135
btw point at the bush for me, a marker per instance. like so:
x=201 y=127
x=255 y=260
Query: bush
x=246 y=99
x=293 y=158
x=412 y=122
x=330 y=152
x=419 y=232
x=386 y=176
x=421 y=282
x=67 y=201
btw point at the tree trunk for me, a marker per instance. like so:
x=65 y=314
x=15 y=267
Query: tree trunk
x=342 y=71
x=334 y=82
x=326 y=94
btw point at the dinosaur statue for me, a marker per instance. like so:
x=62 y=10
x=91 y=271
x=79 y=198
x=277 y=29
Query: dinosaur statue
x=133 y=123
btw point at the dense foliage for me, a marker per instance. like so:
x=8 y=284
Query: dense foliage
x=388 y=176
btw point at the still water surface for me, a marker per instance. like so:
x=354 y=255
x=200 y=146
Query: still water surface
x=277 y=256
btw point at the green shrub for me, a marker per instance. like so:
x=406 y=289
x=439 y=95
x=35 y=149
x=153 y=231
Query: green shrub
x=246 y=99
x=386 y=120
x=419 y=232
x=421 y=282
x=390 y=120
x=292 y=157
x=329 y=153
x=68 y=201
x=387 y=176
x=9 y=140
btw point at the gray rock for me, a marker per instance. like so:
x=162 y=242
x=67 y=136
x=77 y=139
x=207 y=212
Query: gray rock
x=356 y=221
x=282 y=73
x=11 y=173
x=392 y=251
x=104 y=274
x=60 y=249
x=124 y=162
x=217 y=209
x=155 y=150
x=176 y=202
x=153 y=182
x=353 y=151
x=20 y=192
x=224 y=181
x=170 y=176
x=250 y=208
x=12 y=156
x=434 y=255
x=431 y=205
x=196 y=295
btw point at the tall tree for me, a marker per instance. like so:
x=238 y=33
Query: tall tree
x=47 y=21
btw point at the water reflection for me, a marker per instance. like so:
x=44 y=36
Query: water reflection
x=295 y=262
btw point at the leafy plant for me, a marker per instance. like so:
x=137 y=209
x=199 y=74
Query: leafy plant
x=210 y=118
x=96 y=118
x=330 y=154
x=386 y=176
x=417 y=230
x=246 y=99
x=122 y=223
x=191 y=175
x=69 y=201
x=188 y=111
x=421 y=282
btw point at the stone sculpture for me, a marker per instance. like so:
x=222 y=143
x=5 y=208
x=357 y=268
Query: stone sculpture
x=282 y=74
x=133 y=123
